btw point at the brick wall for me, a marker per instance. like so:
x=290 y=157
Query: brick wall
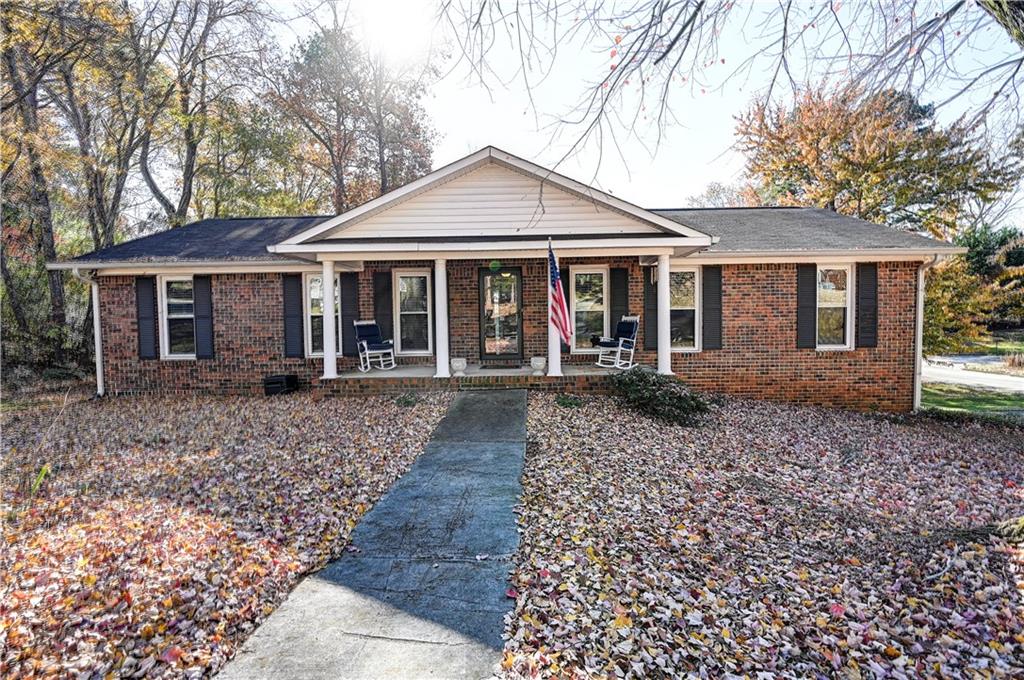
x=759 y=357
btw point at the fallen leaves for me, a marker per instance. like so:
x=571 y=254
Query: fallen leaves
x=168 y=528
x=775 y=541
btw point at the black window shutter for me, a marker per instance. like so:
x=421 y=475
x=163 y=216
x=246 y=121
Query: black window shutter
x=145 y=312
x=202 y=290
x=563 y=273
x=867 y=304
x=382 y=309
x=349 y=312
x=293 y=316
x=711 y=307
x=619 y=294
x=650 y=309
x=806 y=306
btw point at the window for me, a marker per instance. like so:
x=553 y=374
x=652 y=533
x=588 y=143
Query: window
x=589 y=298
x=177 y=318
x=412 y=312
x=835 y=313
x=315 y=315
x=684 y=312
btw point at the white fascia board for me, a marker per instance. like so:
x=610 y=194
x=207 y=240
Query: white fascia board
x=321 y=247
x=879 y=255
x=113 y=268
x=536 y=253
x=477 y=159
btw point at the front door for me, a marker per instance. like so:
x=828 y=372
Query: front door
x=501 y=317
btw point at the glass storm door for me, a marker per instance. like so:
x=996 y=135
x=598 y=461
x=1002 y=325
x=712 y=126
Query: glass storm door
x=501 y=319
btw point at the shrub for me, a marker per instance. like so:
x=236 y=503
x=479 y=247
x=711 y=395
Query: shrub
x=568 y=401
x=659 y=396
x=407 y=399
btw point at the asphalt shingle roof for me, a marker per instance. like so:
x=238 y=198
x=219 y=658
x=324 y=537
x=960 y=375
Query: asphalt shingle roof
x=794 y=229
x=245 y=239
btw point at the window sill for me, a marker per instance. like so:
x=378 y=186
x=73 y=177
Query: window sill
x=178 y=357
x=686 y=350
x=413 y=354
x=833 y=348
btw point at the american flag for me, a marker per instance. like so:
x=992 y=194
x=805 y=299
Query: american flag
x=559 y=306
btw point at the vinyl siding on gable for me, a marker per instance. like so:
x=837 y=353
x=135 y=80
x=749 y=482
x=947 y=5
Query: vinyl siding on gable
x=493 y=201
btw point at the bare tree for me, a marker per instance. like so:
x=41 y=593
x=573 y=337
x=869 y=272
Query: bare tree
x=394 y=124
x=657 y=47
x=197 y=49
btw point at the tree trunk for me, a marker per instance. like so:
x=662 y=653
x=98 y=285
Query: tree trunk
x=12 y=293
x=42 y=215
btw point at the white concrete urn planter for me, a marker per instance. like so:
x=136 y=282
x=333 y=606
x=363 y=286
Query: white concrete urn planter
x=459 y=367
x=538 y=364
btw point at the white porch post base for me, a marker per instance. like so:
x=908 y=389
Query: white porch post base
x=441 y=319
x=664 y=317
x=330 y=350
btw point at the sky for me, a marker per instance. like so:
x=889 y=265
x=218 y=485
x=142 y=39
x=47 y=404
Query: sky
x=696 y=150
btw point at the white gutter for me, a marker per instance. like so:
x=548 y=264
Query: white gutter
x=919 y=330
x=190 y=266
x=864 y=255
x=97 y=335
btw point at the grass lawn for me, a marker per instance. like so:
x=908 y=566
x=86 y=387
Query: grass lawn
x=772 y=541
x=1001 y=342
x=166 y=529
x=950 y=397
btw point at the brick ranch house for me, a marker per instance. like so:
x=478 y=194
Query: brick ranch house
x=795 y=304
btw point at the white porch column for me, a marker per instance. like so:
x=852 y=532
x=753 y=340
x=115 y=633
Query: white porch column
x=330 y=350
x=554 y=342
x=664 y=318
x=441 y=319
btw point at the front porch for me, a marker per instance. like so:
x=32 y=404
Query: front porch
x=422 y=378
x=475 y=371
x=492 y=314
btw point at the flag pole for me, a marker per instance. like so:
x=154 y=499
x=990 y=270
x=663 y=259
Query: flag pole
x=554 y=342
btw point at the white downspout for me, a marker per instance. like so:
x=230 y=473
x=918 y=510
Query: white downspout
x=97 y=334
x=919 y=331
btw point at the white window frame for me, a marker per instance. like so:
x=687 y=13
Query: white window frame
x=307 y=310
x=161 y=294
x=698 y=319
x=573 y=271
x=396 y=303
x=850 y=301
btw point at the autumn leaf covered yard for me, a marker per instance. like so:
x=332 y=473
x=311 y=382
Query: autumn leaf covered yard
x=767 y=541
x=168 y=528
x=773 y=541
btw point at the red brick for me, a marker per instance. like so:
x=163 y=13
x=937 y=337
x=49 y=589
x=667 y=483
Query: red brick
x=759 y=357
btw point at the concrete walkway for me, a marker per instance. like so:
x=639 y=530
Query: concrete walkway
x=425 y=596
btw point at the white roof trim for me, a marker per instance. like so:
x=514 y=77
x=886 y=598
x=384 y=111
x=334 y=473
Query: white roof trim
x=490 y=154
x=852 y=255
x=111 y=267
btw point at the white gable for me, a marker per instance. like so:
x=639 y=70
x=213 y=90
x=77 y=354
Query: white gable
x=493 y=200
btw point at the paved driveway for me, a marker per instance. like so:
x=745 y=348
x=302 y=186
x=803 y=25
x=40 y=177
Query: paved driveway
x=425 y=594
x=978 y=379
